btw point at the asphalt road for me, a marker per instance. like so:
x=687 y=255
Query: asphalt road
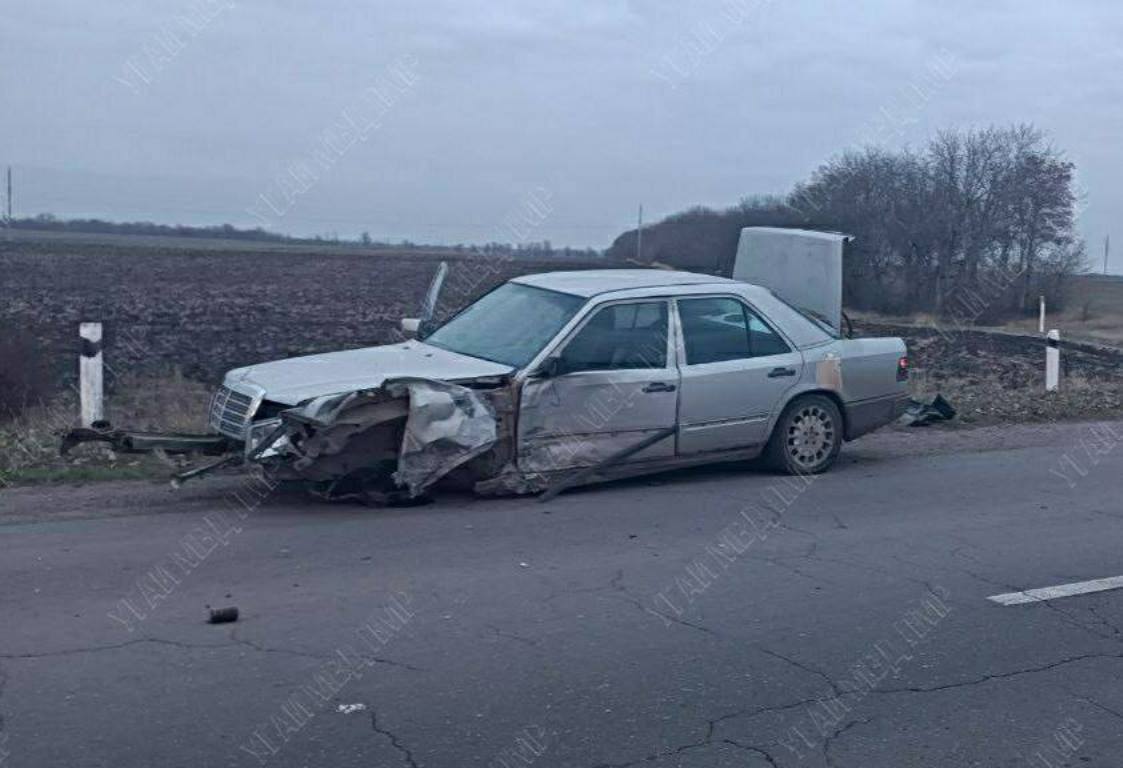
x=706 y=618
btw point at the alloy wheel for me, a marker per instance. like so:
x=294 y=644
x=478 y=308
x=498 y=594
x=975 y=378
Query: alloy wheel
x=810 y=436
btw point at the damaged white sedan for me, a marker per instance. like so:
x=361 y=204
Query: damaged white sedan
x=558 y=379
x=569 y=377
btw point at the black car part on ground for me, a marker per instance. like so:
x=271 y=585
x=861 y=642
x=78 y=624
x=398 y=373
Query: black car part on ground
x=921 y=414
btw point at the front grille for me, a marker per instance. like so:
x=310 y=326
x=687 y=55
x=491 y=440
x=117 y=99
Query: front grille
x=231 y=412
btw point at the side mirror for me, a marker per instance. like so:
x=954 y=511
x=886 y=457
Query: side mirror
x=416 y=328
x=551 y=367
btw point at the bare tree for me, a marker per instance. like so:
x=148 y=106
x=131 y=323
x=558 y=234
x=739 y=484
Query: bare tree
x=981 y=218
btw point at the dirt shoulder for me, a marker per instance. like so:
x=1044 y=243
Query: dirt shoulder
x=999 y=378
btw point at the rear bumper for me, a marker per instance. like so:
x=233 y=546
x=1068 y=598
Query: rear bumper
x=865 y=416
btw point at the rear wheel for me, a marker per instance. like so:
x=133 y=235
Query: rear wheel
x=807 y=436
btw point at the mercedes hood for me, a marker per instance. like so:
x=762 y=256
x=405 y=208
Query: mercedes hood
x=297 y=379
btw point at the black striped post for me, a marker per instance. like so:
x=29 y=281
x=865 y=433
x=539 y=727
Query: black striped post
x=90 y=374
x=1052 y=360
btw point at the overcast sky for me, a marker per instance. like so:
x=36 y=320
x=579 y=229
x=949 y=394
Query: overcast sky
x=444 y=118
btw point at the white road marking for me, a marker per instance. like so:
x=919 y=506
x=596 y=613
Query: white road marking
x=1062 y=590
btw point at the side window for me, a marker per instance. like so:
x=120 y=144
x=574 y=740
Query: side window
x=713 y=330
x=620 y=336
x=764 y=341
x=716 y=329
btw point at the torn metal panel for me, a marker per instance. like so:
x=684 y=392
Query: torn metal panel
x=332 y=425
x=410 y=432
x=512 y=482
x=567 y=451
x=619 y=456
x=447 y=425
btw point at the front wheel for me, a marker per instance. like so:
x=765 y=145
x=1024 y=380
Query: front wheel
x=807 y=436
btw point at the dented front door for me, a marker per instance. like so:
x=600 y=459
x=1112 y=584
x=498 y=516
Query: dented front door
x=618 y=383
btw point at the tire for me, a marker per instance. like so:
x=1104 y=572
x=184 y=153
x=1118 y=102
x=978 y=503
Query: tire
x=807 y=436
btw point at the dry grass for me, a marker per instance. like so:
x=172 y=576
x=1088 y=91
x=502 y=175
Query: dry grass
x=29 y=441
x=1075 y=324
x=981 y=400
x=166 y=403
x=1093 y=313
x=25 y=377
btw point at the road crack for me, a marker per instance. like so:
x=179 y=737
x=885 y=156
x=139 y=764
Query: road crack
x=834 y=737
x=406 y=754
x=115 y=646
x=756 y=750
x=749 y=714
x=708 y=741
x=622 y=593
x=806 y=668
x=999 y=675
x=235 y=642
x=1064 y=615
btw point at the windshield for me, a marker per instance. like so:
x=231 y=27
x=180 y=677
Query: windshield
x=509 y=325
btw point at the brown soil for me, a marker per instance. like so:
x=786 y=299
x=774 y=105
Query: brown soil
x=1000 y=377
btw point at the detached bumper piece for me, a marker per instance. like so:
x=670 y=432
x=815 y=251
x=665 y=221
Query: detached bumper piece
x=921 y=414
x=124 y=441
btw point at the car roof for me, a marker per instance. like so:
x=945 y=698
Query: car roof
x=593 y=282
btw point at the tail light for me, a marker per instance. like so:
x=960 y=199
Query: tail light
x=903 y=368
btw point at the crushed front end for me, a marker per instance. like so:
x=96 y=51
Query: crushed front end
x=383 y=444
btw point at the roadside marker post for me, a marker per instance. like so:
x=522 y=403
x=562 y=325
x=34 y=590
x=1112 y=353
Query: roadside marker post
x=1041 y=317
x=90 y=374
x=1052 y=360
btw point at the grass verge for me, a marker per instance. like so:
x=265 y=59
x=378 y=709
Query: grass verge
x=29 y=440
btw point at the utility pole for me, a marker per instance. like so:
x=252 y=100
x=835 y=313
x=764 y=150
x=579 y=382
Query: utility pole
x=1107 y=247
x=8 y=208
x=639 y=235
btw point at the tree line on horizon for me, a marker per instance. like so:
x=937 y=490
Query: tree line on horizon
x=530 y=249
x=977 y=222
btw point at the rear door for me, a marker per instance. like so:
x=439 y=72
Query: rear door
x=618 y=384
x=735 y=371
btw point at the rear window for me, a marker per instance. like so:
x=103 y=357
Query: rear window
x=802 y=331
x=716 y=329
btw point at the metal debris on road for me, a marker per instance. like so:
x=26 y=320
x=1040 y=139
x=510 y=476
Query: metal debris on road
x=222 y=615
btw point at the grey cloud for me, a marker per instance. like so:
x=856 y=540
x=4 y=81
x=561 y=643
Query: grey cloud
x=511 y=96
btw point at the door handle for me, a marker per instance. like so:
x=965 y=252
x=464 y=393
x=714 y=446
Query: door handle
x=776 y=373
x=659 y=386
